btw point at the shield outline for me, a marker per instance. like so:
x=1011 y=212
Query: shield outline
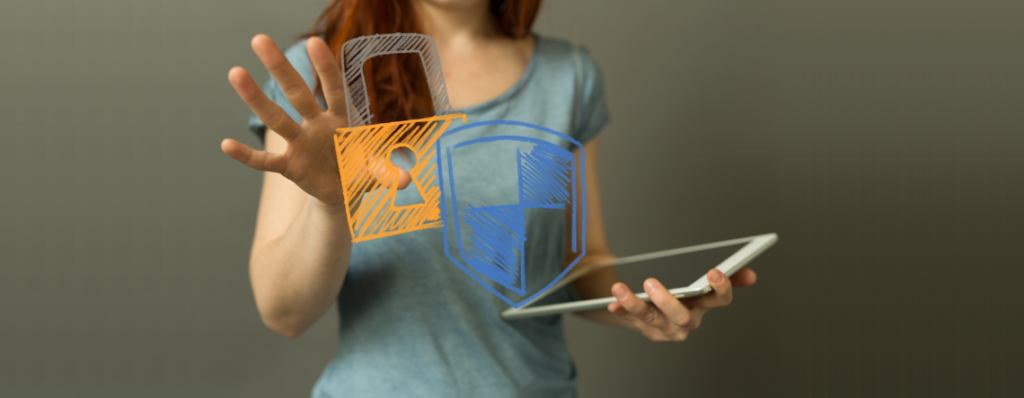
x=581 y=170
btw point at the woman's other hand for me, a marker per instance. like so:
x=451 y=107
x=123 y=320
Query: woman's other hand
x=667 y=318
x=310 y=160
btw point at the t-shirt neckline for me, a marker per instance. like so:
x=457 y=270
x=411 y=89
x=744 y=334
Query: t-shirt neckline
x=511 y=91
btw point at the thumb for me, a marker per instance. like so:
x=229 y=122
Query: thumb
x=389 y=175
x=404 y=178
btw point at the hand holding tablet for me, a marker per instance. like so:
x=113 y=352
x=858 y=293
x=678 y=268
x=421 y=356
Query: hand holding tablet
x=755 y=245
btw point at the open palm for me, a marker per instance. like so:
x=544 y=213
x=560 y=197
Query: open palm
x=310 y=160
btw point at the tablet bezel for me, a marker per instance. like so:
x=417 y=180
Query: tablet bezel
x=755 y=245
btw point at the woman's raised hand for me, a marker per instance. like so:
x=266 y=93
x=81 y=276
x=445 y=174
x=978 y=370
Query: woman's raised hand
x=310 y=160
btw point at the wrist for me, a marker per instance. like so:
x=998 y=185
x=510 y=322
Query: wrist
x=329 y=209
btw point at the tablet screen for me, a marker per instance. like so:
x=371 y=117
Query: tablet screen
x=674 y=271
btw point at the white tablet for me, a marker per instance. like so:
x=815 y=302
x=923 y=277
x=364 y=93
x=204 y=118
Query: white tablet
x=755 y=245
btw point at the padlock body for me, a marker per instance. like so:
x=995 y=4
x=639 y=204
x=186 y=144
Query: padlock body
x=363 y=155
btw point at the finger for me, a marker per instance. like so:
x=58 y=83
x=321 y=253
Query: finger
x=652 y=333
x=292 y=85
x=722 y=294
x=266 y=110
x=673 y=310
x=642 y=310
x=389 y=175
x=743 y=278
x=376 y=168
x=403 y=179
x=330 y=75
x=259 y=160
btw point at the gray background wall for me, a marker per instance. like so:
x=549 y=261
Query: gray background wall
x=880 y=139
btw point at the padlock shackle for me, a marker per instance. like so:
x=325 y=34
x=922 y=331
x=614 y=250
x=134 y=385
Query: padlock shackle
x=354 y=54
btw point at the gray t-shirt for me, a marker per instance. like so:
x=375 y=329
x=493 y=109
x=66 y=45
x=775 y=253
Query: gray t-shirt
x=412 y=323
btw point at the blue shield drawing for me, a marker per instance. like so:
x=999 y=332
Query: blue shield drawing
x=501 y=182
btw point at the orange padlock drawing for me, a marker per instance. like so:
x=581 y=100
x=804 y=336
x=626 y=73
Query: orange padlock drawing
x=369 y=203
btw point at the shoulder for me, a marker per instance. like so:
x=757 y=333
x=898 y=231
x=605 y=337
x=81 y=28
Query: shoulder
x=561 y=63
x=570 y=69
x=562 y=56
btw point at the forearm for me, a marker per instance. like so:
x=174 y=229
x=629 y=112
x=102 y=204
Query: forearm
x=297 y=276
x=597 y=283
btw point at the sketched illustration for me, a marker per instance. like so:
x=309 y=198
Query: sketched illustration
x=371 y=208
x=515 y=169
x=486 y=236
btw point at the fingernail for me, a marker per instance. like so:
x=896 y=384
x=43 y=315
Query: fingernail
x=716 y=276
x=653 y=284
x=619 y=292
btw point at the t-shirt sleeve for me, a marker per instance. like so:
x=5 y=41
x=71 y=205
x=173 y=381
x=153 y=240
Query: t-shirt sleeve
x=591 y=108
x=299 y=59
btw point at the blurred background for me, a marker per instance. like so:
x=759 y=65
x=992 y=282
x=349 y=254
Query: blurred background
x=881 y=139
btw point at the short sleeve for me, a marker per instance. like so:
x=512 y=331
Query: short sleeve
x=299 y=58
x=591 y=110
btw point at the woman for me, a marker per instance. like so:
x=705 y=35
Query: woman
x=411 y=324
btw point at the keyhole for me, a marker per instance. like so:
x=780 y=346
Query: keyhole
x=404 y=158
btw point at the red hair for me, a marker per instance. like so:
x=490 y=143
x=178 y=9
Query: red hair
x=396 y=84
